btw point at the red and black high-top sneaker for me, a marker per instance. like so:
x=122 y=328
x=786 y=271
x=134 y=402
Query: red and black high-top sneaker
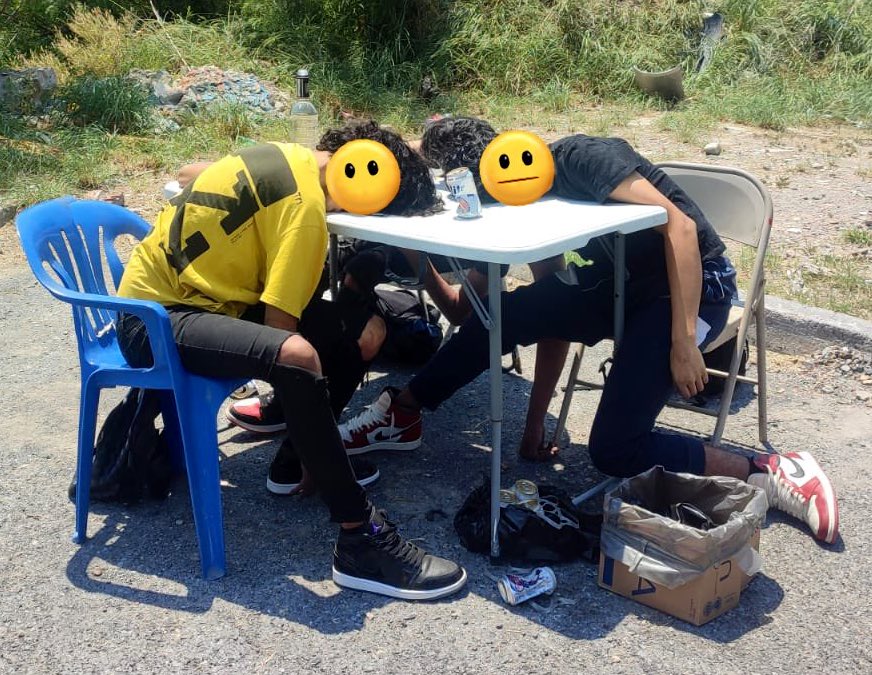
x=796 y=484
x=382 y=426
x=260 y=414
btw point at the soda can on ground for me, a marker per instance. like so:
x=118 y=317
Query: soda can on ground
x=462 y=188
x=527 y=492
x=517 y=587
x=247 y=390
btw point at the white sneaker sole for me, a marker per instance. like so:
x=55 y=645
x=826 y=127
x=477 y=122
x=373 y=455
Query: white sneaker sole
x=359 y=584
x=287 y=488
x=384 y=445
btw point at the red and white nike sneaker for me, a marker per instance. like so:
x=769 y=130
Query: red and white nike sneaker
x=796 y=484
x=382 y=426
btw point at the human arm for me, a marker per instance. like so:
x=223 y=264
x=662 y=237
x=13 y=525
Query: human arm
x=190 y=171
x=452 y=301
x=684 y=271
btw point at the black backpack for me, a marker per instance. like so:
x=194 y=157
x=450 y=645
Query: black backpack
x=411 y=338
x=525 y=537
x=131 y=458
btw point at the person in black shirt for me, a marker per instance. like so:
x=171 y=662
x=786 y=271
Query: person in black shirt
x=676 y=274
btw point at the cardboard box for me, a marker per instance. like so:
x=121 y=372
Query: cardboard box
x=713 y=593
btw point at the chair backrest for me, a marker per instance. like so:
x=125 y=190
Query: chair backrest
x=736 y=204
x=66 y=242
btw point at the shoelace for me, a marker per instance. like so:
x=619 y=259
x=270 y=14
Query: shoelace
x=390 y=541
x=785 y=498
x=365 y=419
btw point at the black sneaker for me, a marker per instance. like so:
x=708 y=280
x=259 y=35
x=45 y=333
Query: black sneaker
x=375 y=558
x=260 y=414
x=285 y=472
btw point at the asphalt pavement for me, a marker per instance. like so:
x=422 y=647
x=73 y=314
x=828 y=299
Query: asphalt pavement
x=131 y=598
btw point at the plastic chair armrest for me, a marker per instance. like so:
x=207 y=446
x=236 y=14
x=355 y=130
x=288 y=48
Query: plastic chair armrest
x=153 y=315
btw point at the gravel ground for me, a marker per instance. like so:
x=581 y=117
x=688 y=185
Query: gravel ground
x=131 y=599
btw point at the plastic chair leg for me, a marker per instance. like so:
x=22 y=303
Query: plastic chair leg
x=173 y=431
x=197 y=422
x=88 y=402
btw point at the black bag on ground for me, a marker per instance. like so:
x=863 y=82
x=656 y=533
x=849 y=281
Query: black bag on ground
x=524 y=535
x=411 y=338
x=719 y=359
x=131 y=458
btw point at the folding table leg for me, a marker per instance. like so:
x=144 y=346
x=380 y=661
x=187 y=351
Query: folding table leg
x=496 y=399
x=333 y=262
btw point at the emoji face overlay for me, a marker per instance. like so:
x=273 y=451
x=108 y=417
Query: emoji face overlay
x=363 y=177
x=516 y=168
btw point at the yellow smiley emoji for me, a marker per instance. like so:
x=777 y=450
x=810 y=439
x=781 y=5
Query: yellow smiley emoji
x=516 y=168
x=363 y=177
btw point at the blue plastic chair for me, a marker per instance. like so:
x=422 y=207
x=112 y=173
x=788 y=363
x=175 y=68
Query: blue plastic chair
x=67 y=242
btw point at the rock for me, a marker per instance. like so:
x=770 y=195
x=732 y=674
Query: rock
x=25 y=90
x=7 y=213
x=713 y=148
x=863 y=395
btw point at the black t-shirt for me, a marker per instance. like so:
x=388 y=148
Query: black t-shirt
x=589 y=169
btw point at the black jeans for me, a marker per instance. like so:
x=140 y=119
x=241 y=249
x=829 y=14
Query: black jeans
x=216 y=345
x=622 y=441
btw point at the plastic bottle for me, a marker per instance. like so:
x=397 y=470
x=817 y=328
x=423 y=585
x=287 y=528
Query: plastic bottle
x=304 y=115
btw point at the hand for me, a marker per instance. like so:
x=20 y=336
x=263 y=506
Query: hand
x=306 y=486
x=688 y=368
x=535 y=448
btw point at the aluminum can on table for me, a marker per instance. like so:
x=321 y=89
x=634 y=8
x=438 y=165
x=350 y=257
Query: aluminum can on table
x=516 y=587
x=462 y=188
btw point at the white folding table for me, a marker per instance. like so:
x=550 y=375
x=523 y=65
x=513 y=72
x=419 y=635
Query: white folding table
x=505 y=235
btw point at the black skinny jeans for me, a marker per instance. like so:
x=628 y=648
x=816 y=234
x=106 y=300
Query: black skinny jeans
x=216 y=345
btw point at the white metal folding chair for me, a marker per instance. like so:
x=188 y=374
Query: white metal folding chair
x=739 y=208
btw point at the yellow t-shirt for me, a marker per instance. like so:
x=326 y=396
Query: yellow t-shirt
x=251 y=228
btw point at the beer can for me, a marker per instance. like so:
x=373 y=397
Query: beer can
x=516 y=587
x=508 y=497
x=527 y=492
x=462 y=188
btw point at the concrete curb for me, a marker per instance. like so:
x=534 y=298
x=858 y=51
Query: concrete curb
x=791 y=327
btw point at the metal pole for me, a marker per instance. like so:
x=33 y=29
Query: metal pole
x=333 y=260
x=620 y=275
x=496 y=398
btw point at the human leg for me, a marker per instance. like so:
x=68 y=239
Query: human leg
x=220 y=346
x=550 y=308
x=623 y=441
x=346 y=337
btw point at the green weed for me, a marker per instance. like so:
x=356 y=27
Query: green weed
x=858 y=236
x=114 y=103
x=838 y=283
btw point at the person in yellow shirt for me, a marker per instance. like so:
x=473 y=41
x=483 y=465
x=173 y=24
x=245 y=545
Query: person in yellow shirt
x=235 y=259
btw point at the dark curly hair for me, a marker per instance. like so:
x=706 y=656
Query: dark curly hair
x=458 y=141
x=417 y=195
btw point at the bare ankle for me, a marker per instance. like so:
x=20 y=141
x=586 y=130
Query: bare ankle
x=720 y=462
